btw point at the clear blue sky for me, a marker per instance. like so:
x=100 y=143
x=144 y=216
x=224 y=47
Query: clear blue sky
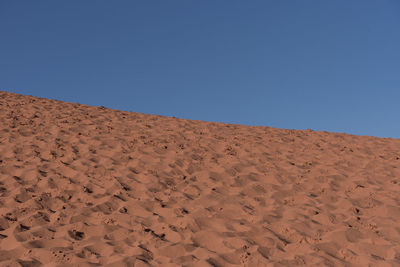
x=323 y=65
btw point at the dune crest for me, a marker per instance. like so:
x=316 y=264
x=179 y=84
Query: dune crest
x=91 y=186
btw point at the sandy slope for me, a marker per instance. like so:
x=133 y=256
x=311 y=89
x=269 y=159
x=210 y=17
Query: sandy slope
x=88 y=186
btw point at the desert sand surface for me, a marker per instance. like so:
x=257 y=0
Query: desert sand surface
x=92 y=186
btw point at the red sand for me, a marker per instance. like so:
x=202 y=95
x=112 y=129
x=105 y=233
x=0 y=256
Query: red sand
x=90 y=186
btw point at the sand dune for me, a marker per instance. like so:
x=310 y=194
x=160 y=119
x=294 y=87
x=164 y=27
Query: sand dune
x=91 y=186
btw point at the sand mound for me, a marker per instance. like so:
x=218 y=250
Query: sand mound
x=91 y=186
